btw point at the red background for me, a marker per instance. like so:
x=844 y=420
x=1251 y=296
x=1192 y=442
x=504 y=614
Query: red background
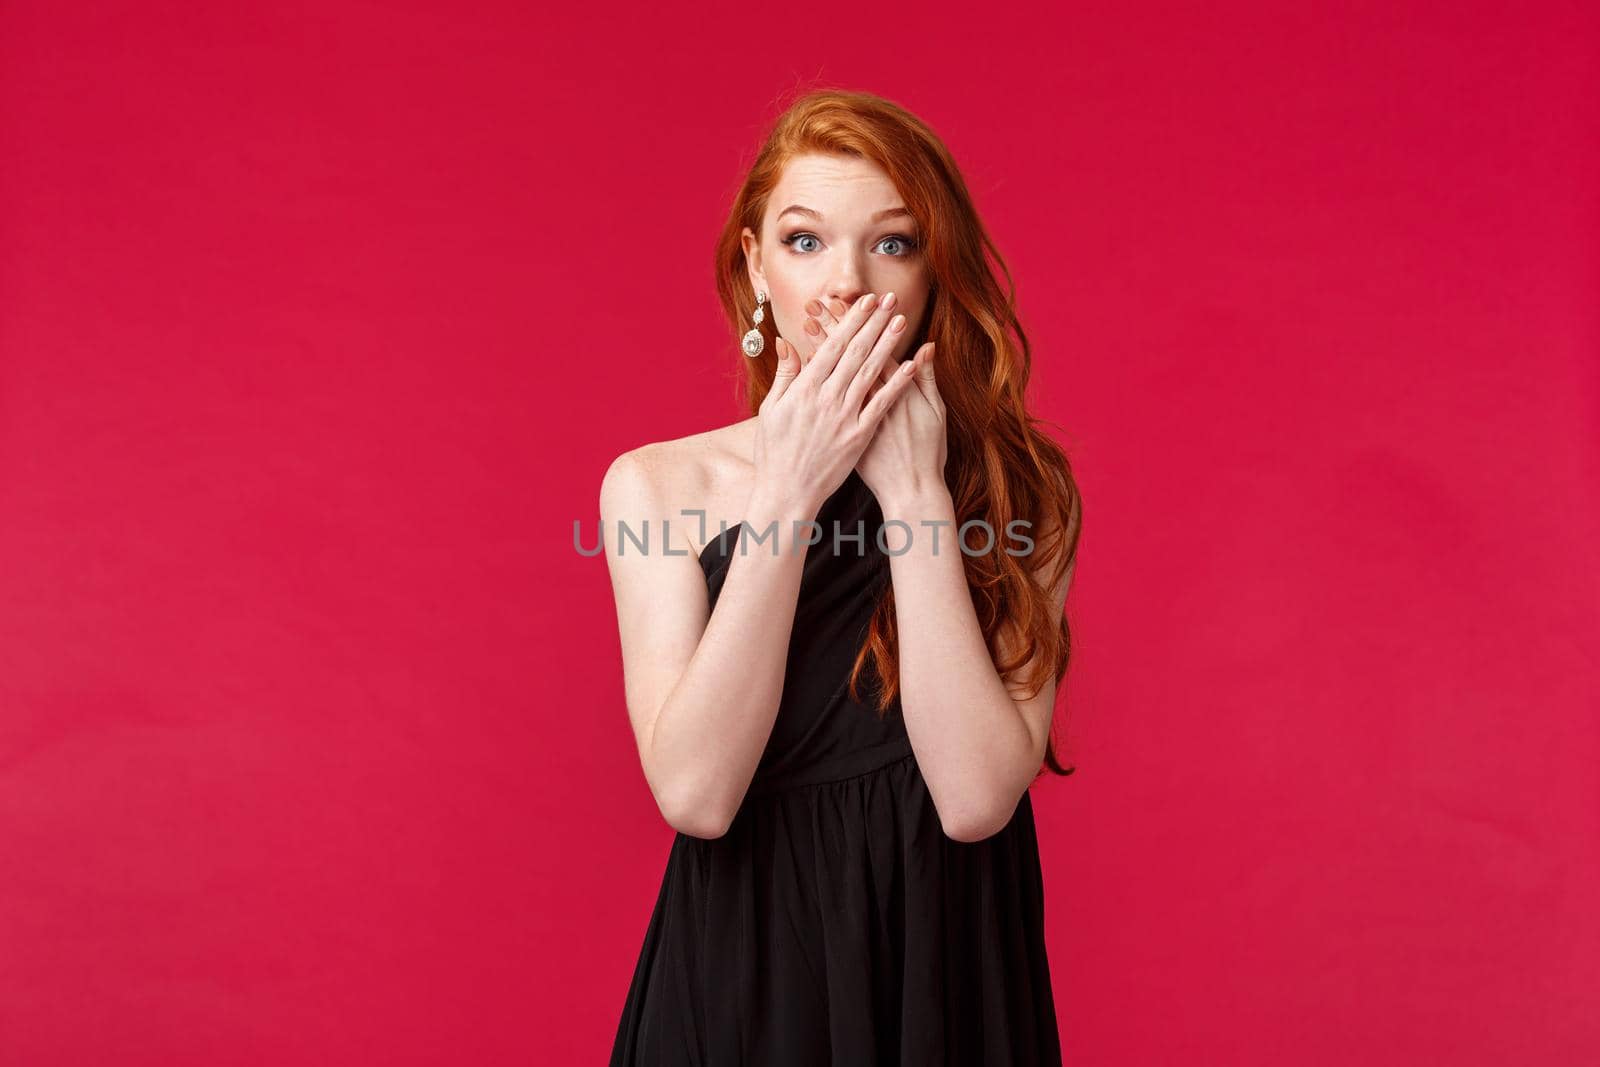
x=318 y=328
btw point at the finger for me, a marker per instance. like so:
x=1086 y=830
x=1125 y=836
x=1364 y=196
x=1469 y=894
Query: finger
x=836 y=343
x=901 y=380
x=886 y=373
x=816 y=332
x=800 y=354
x=822 y=320
x=870 y=370
x=819 y=323
x=925 y=377
x=828 y=314
x=814 y=339
x=863 y=342
x=788 y=369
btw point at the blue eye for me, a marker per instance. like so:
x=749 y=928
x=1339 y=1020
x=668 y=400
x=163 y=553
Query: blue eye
x=908 y=243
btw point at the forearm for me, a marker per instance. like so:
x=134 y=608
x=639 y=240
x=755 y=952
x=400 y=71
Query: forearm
x=709 y=735
x=969 y=737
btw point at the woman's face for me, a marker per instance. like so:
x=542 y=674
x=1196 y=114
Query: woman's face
x=836 y=228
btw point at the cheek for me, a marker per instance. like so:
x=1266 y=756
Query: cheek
x=784 y=304
x=916 y=321
x=784 y=324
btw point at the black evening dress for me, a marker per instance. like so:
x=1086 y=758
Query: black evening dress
x=835 y=923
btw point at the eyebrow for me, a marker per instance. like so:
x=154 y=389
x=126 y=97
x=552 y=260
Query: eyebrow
x=886 y=213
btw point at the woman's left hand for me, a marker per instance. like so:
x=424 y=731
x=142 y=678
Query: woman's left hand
x=907 y=454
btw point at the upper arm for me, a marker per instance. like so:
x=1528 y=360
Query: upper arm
x=661 y=600
x=1038 y=708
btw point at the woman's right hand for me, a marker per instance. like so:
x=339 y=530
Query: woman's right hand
x=818 y=417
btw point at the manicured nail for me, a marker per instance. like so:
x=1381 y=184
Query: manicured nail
x=897 y=323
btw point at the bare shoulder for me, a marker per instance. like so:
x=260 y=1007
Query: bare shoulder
x=708 y=471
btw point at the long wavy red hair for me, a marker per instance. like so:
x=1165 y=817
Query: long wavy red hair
x=1001 y=466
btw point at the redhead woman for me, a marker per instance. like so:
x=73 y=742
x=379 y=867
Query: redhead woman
x=841 y=662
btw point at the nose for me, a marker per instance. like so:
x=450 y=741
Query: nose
x=846 y=294
x=847 y=281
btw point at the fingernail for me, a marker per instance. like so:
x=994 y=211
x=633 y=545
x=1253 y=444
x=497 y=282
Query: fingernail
x=897 y=323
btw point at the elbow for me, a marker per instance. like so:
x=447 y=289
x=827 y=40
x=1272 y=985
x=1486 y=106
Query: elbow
x=977 y=823
x=707 y=829
x=690 y=812
x=970 y=831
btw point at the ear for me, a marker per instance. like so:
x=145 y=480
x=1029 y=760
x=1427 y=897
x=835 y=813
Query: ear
x=752 y=259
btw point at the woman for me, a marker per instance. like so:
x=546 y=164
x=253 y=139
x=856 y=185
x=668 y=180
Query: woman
x=842 y=724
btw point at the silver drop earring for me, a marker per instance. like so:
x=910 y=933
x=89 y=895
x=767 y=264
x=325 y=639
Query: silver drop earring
x=753 y=342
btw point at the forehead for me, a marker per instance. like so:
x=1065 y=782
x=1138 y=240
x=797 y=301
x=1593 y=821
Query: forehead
x=843 y=186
